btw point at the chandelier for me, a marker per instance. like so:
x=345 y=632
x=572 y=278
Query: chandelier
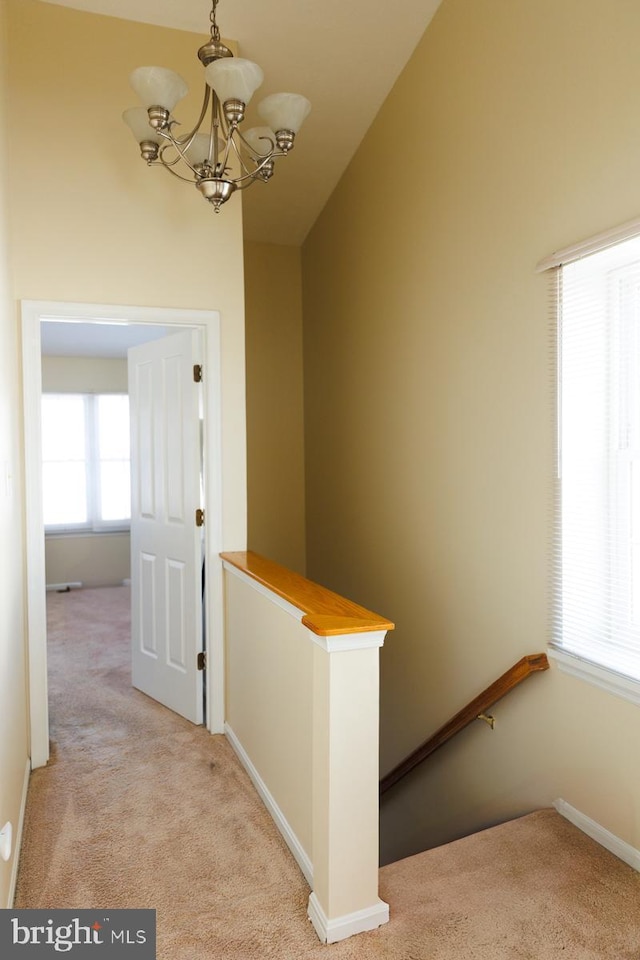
x=214 y=155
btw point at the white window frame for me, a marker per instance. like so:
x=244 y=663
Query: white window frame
x=571 y=662
x=94 y=523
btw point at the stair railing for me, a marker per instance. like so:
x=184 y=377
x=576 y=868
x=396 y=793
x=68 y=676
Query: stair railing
x=474 y=710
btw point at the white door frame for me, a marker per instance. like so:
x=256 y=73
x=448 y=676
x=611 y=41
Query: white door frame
x=33 y=311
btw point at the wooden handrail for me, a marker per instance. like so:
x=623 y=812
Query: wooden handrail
x=515 y=675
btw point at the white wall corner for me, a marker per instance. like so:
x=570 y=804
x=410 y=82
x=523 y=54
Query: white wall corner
x=604 y=837
x=281 y=822
x=18 y=836
x=339 y=928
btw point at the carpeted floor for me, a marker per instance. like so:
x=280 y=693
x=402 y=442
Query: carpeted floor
x=138 y=808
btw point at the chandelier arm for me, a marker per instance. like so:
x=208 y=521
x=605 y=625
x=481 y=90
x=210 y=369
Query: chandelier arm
x=214 y=148
x=183 y=156
x=203 y=111
x=223 y=163
x=256 y=157
x=172 y=142
x=265 y=160
x=227 y=130
x=243 y=166
x=251 y=175
x=167 y=163
x=247 y=182
x=248 y=178
x=261 y=162
x=169 y=168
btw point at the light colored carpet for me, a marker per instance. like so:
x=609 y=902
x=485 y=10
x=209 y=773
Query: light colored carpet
x=138 y=808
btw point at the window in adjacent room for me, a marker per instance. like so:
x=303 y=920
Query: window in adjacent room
x=596 y=627
x=85 y=462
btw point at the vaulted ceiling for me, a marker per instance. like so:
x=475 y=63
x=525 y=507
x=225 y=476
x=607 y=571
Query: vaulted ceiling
x=344 y=55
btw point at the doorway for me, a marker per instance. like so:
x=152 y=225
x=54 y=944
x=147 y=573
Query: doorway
x=88 y=315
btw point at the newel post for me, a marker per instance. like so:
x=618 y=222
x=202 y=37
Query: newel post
x=345 y=785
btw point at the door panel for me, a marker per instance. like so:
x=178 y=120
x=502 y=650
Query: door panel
x=166 y=544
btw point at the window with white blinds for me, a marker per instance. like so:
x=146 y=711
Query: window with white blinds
x=85 y=462
x=597 y=525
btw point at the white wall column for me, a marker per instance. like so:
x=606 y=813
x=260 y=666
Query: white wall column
x=345 y=775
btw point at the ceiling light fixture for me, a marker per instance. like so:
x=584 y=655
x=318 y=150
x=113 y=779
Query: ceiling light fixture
x=214 y=155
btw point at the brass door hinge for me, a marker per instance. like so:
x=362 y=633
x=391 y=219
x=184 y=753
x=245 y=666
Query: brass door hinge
x=199 y=517
x=197 y=373
x=202 y=660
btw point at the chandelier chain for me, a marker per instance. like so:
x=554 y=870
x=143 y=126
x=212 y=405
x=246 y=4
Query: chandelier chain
x=215 y=30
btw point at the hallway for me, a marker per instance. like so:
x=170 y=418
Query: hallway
x=138 y=808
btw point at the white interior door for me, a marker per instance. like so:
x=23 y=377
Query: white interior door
x=166 y=543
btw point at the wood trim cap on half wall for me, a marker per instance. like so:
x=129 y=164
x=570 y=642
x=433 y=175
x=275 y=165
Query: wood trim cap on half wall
x=325 y=613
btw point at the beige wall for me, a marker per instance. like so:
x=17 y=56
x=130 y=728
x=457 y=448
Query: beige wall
x=102 y=559
x=275 y=428
x=269 y=683
x=13 y=695
x=302 y=711
x=513 y=131
x=98 y=560
x=84 y=375
x=93 y=223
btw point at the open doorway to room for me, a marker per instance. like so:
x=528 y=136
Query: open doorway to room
x=75 y=355
x=86 y=481
x=97 y=379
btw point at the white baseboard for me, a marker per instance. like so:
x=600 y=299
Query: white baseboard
x=18 y=836
x=332 y=931
x=281 y=822
x=602 y=836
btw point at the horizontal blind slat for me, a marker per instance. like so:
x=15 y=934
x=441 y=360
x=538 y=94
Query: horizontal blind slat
x=596 y=561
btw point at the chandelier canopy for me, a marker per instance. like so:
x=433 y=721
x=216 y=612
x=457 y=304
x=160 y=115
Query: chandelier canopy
x=214 y=155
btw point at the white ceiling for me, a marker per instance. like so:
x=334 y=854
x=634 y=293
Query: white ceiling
x=111 y=340
x=344 y=55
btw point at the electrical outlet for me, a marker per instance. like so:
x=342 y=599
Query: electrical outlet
x=6 y=835
x=5 y=479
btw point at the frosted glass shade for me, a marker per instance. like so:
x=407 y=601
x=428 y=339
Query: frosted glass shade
x=284 y=111
x=234 y=78
x=255 y=137
x=158 y=87
x=198 y=151
x=137 y=119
